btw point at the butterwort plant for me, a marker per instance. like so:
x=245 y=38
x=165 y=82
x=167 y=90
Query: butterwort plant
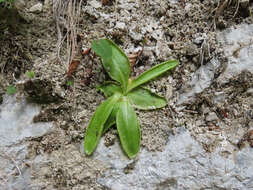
x=123 y=95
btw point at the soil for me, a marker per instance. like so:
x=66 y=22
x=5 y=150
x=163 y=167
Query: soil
x=182 y=30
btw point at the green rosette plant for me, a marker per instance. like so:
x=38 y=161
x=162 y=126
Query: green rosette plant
x=124 y=94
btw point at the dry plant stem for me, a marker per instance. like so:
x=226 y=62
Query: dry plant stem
x=58 y=29
x=218 y=11
x=72 y=11
x=70 y=39
x=73 y=14
x=202 y=53
x=2 y=66
x=58 y=8
x=222 y=6
x=237 y=7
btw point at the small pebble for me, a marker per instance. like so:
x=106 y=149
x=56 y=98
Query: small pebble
x=212 y=117
x=37 y=8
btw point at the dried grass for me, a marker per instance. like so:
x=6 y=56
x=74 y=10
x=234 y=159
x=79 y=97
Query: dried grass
x=66 y=15
x=222 y=5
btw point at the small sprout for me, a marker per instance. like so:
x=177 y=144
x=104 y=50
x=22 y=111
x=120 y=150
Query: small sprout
x=124 y=94
x=69 y=83
x=11 y=90
x=30 y=74
x=144 y=41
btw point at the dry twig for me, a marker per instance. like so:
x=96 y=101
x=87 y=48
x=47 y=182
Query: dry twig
x=222 y=6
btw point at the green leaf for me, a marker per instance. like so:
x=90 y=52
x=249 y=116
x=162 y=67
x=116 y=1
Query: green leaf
x=30 y=74
x=110 y=88
x=128 y=128
x=69 y=83
x=95 y=127
x=144 y=99
x=112 y=118
x=11 y=90
x=152 y=73
x=115 y=61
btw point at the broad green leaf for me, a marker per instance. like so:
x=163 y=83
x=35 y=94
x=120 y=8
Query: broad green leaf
x=112 y=118
x=109 y=88
x=95 y=127
x=11 y=90
x=115 y=61
x=30 y=74
x=128 y=128
x=144 y=99
x=152 y=73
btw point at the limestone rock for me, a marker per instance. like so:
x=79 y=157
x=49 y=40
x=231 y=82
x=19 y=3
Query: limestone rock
x=37 y=8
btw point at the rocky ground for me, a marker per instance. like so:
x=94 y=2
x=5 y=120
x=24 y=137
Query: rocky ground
x=201 y=140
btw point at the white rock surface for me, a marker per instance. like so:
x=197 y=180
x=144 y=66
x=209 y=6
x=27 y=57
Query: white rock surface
x=37 y=8
x=120 y=25
x=211 y=117
x=200 y=80
x=238 y=45
x=182 y=165
x=16 y=127
x=16 y=122
x=95 y=4
x=238 y=48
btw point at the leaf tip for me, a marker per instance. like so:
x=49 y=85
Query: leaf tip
x=176 y=62
x=132 y=155
x=87 y=151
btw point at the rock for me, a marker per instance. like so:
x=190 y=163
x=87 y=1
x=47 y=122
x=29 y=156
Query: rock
x=205 y=110
x=16 y=127
x=120 y=25
x=162 y=50
x=95 y=4
x=201 y=80
x=135 y=35
x=19 y=4
x=37 y=8
x=169 y=92
x=250 y=91
x=16 y=121
x=191 y=49
x=237 y=45
x=212 y=117
x=182 y=162
x=199 y=122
